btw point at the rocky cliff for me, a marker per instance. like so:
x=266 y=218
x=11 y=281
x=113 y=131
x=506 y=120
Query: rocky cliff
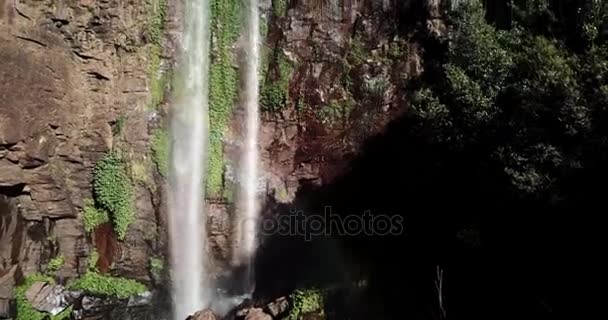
x=83 y=79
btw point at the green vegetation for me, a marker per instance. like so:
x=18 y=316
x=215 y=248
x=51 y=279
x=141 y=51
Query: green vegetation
x=92 y=261
x=157 y=20
x=97 y=284
x=279 y=7
x=156 y=268
x=158 y=82
x=274 y=95
x=358 y=53
x=334 y=113
x=118 y=125
x=529 y=99
x=226 y=22
x=92 y=216
x=25 y=311
x=304 y=301
x=139 y=171
x=114 y=192
x=160 y=150
x=55 y=264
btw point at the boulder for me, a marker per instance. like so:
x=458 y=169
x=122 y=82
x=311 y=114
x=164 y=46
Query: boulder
x=203 y=315
x=49 y=298
x=278 y=306
x=257 y=314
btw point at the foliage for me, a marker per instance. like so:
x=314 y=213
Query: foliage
x=477 y=48
x=97 y=284
x=160 y=150
x=523 y=102
x=304 y=301
x=118 y=125
x=279 y=7
x=157 y=19
x=357 y=54
x=55 y=264
x=93 y=216
x=158 y=82
x=114 y=192
x=92 y=261
x=275 y=92
x=334 y=113
x=139 y=171
x=375 y=88
x=156 y=267
x=226 y=24
x=25 y=311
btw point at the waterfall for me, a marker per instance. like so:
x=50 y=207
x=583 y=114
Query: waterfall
x=189 y=134
x=247 y=205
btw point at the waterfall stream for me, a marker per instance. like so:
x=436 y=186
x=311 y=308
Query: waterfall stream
x=189 y=134
x=247 y=202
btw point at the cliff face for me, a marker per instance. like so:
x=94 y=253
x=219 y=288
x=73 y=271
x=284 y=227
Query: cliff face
x=80 y=78
x=74 y=82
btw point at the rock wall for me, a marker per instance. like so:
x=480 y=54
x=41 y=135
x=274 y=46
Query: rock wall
x=74 y=83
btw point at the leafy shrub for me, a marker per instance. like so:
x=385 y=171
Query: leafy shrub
x=304 y=301
x=357 y=54
x=334 y=113
x=160 y=150
x=25 y=311
x=114 y=192
x=55 y=264
x=275 y=93
x=97 y=284
x=92 y=216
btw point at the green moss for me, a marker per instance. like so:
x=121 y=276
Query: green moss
x=96 y=284
x=157 y=19
x=158 y=82
x=139 y=172
x=92 y=216
x=226 y=23
x=279 y=7
x=25 y=311
x=55 y=264
x=92 y=261
x=160 y=150
x=156 y=268
x=275 y=93
x=114 y=192
x=304 y=301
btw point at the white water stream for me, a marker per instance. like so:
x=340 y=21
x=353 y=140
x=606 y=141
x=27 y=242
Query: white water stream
x=247 y=202
x=189 y=135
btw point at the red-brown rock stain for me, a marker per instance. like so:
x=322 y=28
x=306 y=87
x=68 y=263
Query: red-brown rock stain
x=106 y=245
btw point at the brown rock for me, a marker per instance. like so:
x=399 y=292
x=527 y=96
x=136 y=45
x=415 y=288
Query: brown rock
x=203 y=315
x=257 y=314
x=278 y=306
